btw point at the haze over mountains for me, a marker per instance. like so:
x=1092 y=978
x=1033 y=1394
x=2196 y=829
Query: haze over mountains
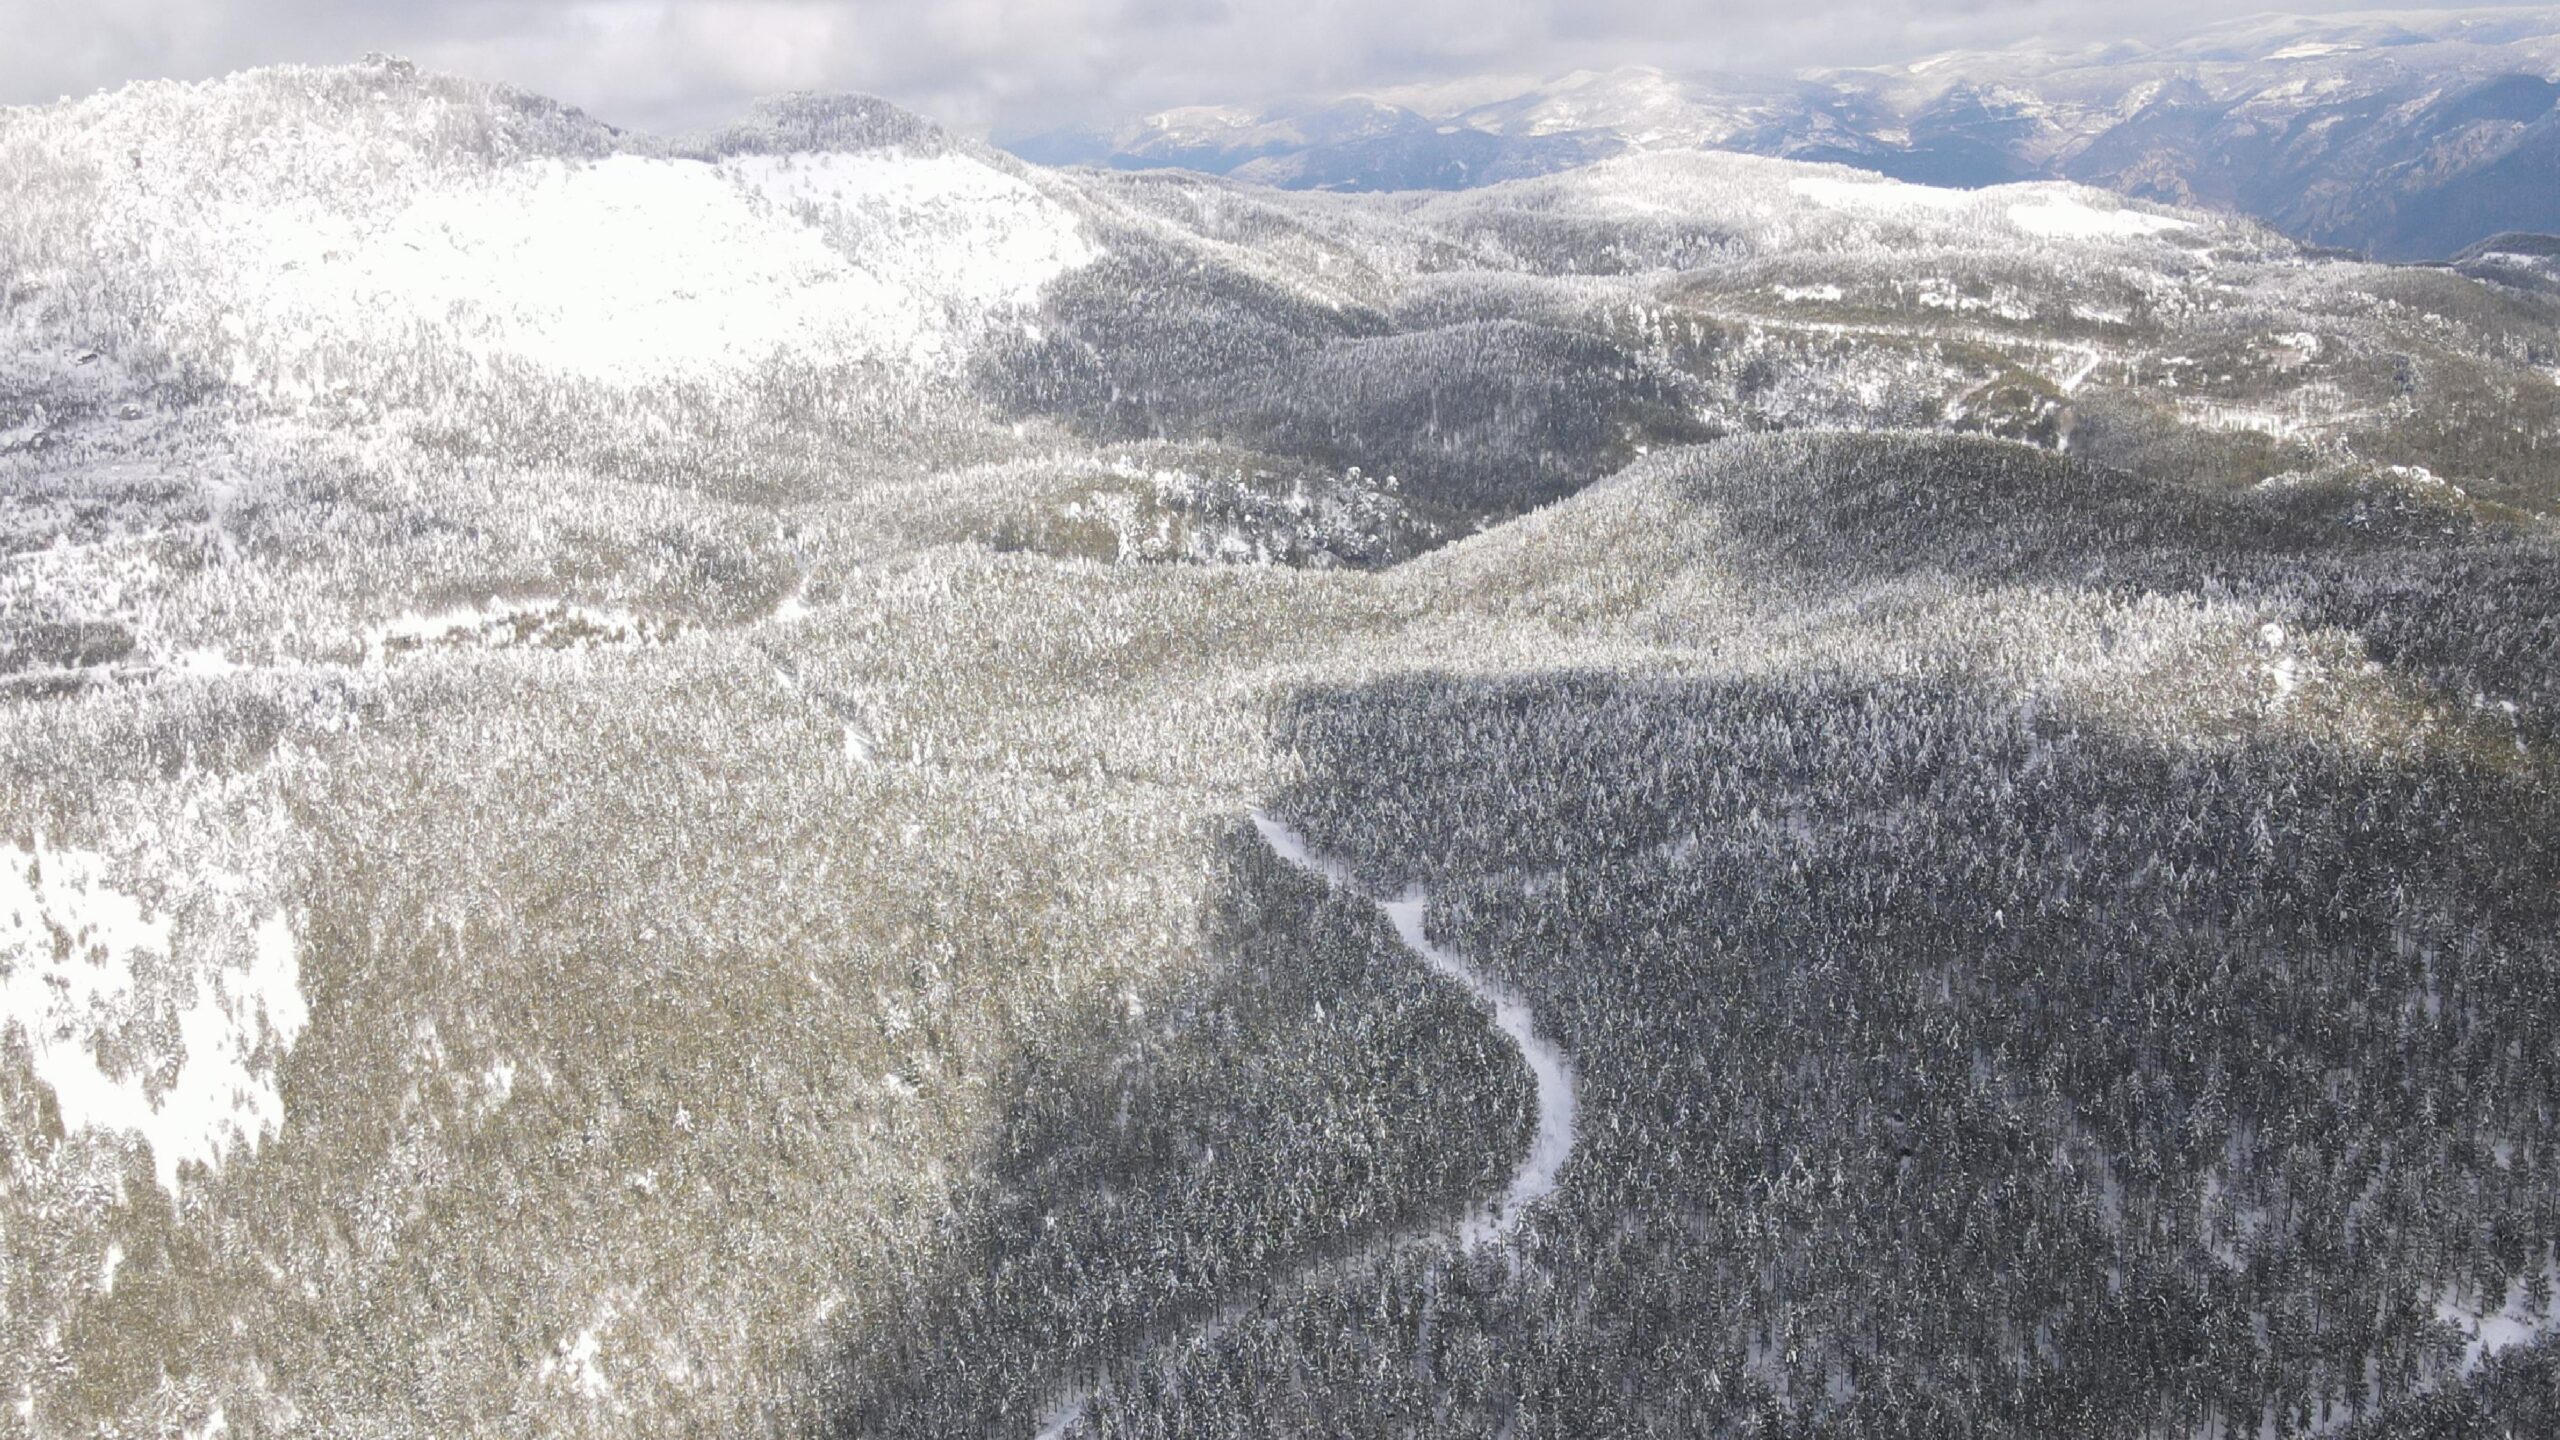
x=2405 y=135
x=815 y=781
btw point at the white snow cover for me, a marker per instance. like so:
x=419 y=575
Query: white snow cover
x=2516 y=1320
x=1551 y=1071
x=2065 y=217
x=949 y=227
x=495 y=624
x=89 y=964
x=1885 y=197
x=574 y=1364
x=634 y=269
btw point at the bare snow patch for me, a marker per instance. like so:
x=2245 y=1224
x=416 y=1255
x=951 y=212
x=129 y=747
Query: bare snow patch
x=1881 y=197
x=955 y=230
x=2060 y=217
x=543 y=623
x=2516 y=1320
x=793 y=607
x=575 y=1363
x=2216 y=415
x=95 y=979
x=636 y=269
x=2080 y=373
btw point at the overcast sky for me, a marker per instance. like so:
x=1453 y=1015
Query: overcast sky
x=1010 y=66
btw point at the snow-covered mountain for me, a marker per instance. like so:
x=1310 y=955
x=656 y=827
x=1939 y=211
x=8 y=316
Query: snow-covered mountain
x=835 y=295
x=2406 y=135
x=732 y=786
x=278 y=228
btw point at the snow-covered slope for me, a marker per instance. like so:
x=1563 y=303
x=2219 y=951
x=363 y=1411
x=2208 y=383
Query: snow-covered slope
x=91 y=967
x=625 y=773
x=636 y=268
x=327 y=236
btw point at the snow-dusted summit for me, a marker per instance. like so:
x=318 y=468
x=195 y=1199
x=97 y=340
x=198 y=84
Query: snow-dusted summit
x=296 y=231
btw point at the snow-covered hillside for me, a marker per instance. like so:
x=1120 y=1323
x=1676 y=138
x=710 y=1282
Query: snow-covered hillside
x=634 y=269
x=296 y=233
x=628 y=776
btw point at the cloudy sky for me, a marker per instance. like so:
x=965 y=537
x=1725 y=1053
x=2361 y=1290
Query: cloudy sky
x=1011 y=66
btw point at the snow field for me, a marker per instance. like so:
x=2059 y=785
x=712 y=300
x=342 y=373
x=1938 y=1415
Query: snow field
x=91 y=966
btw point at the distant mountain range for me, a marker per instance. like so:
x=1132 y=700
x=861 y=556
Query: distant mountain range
x=2405 y=136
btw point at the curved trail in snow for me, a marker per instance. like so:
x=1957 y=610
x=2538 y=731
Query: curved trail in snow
x=1535 y=1178
x=1492 y=1220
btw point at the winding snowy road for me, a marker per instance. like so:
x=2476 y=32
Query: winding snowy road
x=1497 y=1217
x=1492 y=1220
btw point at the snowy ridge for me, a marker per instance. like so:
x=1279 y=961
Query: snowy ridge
x=956 y=229
x=1763 y=206
x=2046 y=211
